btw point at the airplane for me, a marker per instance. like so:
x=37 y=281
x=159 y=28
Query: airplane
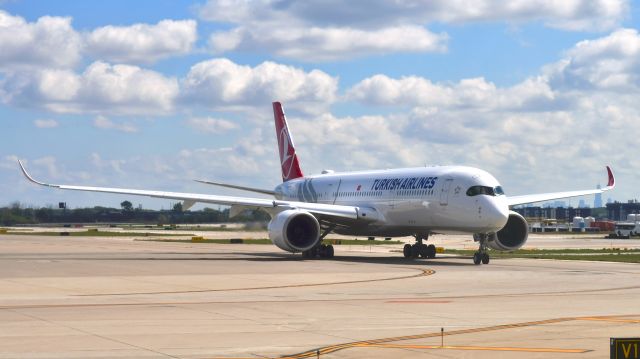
x=399 y=202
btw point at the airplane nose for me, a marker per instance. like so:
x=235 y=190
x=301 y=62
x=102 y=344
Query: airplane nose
x=495 y=212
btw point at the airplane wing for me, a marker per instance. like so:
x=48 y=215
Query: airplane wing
x=532 y=198
x=349 y=212
x=243 y=188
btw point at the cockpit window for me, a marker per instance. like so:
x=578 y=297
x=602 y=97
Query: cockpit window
x=489 y=191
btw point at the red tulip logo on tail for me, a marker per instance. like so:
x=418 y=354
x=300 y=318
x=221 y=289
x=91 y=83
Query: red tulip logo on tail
x=288 y=157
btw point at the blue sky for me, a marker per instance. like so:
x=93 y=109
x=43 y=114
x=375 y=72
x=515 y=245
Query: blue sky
x=153 y=94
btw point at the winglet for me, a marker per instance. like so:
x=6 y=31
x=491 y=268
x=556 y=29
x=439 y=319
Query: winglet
x=612 y=179
x=26 y=174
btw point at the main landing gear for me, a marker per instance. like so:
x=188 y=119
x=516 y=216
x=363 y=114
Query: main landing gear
x=321 y=250
x=419 y=249
x=481 y=256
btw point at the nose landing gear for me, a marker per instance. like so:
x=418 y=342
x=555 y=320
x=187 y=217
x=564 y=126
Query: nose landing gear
x=481 y=256
x=419 y=249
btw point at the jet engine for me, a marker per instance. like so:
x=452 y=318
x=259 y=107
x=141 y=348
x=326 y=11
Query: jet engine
x=512 y=236
x=294 y=230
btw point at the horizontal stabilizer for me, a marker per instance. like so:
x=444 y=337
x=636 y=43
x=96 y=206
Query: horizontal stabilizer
x=242 y=188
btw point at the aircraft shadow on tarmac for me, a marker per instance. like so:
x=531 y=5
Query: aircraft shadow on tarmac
x=261 y=257
x=285 y=257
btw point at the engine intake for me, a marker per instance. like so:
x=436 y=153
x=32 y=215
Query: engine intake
x=294 y=230
x=512 y=236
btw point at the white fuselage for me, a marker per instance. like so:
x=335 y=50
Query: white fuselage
x=409 y=201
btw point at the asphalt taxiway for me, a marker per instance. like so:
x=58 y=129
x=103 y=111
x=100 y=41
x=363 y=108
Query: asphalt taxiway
x=83 y=297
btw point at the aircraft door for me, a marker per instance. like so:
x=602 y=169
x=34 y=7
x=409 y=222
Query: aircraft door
x=444 y=192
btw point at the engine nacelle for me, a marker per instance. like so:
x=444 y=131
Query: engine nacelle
x=512 y=236
x=294 y=230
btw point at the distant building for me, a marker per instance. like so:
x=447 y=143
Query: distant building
x=559 y=204
x=582 y=204
x=597 y=202
x=559 y=213
x=618 y=211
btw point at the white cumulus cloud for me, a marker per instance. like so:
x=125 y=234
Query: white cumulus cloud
x=218 y=84
x=607 y=63
x=221 y=83
x=328 y=30
x=49 y=42
x=142 y=42
x=477 y=93
x=326 y=44
x=101 y=88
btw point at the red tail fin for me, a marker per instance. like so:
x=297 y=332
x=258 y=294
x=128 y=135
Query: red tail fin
x=288 y=157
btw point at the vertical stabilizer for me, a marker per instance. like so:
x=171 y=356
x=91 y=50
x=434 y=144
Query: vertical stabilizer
x=288 y=158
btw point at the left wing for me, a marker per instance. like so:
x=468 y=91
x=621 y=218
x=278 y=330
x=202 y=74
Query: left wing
x=190 y=198
x=532 y=198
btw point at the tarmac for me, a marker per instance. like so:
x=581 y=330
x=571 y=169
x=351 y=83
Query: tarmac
x=101 y=297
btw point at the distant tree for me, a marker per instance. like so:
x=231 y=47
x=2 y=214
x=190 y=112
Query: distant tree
x=126 y=206
x=16 y=208
x=177 y=207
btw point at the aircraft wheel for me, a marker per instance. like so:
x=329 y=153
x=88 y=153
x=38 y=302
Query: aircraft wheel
x=322 y=251
x=415 y=251
x=477 y=258
x=485 y=258
x=431 y=251
x=407 y=250
x=329 y=251
x=424 y=250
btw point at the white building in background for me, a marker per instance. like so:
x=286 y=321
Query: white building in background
x=597 y=202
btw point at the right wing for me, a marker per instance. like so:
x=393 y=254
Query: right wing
x=330 y=210
x=532 y=198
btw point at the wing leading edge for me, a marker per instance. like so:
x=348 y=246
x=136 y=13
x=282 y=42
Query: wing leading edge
x=349 y=212
x=532 y=198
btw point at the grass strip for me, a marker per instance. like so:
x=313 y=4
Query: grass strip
x=628 y=255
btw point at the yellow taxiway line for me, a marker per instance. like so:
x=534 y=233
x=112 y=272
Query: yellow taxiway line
x=463 y=347
x=614 y=320
x=387 y=342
